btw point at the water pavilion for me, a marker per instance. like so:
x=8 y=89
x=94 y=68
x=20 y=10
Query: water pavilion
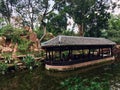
x=69 y=52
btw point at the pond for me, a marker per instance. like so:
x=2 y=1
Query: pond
x=41 y=79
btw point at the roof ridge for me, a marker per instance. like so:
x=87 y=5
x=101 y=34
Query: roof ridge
x=83 y=37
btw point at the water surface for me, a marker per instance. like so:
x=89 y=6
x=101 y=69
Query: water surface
x=41 y=79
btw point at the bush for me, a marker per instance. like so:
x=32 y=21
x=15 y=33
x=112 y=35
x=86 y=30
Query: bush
x=29 y=61
x=23 y=45
x=3 y=67
x=12 y=33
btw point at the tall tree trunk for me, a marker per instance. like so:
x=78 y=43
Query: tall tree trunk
x=44 y=33
x=80 y=28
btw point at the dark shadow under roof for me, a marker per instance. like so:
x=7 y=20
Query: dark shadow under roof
x=62 y=40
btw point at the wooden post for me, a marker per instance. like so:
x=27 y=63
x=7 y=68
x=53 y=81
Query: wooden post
x=102 y=52
x=99 y=52
x=82 y=55
x=89 y=53
x=71 y=55
x=93 y=52
x=111 y=51
x=49 y=56
x=46 y=55
x=60 y=54
x=52 y=55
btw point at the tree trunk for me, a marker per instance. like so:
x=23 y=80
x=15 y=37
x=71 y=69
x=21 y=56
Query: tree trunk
x=44 y=29
x=81 y=31
x=44 y=34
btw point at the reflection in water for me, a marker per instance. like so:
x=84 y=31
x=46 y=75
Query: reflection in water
x=41 y=79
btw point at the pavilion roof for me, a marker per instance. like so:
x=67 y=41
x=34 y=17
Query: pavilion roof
x=62 y=40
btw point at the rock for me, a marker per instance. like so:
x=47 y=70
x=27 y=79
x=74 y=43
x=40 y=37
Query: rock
x=33 y=37
x=2 y=41
x=6 y=49
x=1 y=47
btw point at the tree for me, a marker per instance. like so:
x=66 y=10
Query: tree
x=6 y=8
x=98 y=19
x=36 y=11
x=90 y=15
x=78 y=10
x=57 y=24
x=114 y=23
x=113 y=32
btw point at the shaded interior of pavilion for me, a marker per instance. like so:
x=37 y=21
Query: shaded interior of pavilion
x=76 y=54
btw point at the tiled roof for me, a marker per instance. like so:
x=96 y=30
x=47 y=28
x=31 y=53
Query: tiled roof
x=62 y=40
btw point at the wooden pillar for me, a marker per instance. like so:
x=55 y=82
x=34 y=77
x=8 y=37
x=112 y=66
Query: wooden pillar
x=46 y=55
x=52 y=55
x=93 y=52
x=60 y=53
x=99 y=52
x=102 y=52
x=82 y=55
x=111 y=51
x=89 y=54
x=49 y=56
x=82 y=51
x=70 y=54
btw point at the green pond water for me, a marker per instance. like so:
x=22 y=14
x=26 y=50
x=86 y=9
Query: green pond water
x=41 y=79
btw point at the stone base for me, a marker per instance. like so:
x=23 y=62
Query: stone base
x=79 y=65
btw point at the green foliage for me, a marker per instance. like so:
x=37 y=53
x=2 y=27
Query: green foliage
x=77 y=83
x=23 y=45
x=57 y=23
x=114 y=23
x=90 y=14
x=68 y=32
x=98 y=19
x=6 y=31
x=29 y=61
x=12 y=33
x=115 y=39
x=3 y=67
x=6 y=8
x=7 y=57
x=78 y=9
x=39 y=32
x=114 y=30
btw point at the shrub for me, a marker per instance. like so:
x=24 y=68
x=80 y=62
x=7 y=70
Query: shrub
x=12 y=33
x=29 y=61
x=3 y=67
x=24 y=45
